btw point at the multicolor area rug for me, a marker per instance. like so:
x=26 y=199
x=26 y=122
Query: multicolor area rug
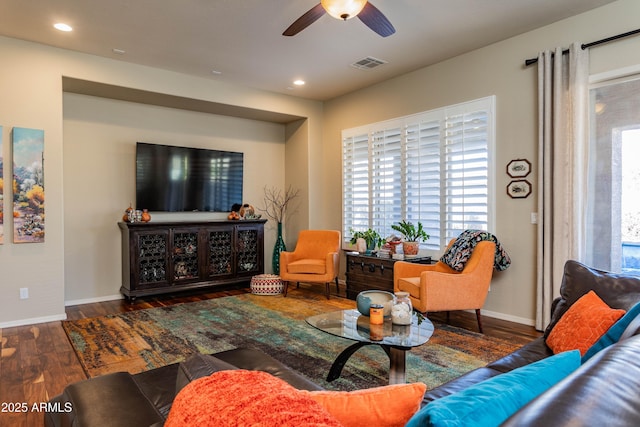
x=145 y=339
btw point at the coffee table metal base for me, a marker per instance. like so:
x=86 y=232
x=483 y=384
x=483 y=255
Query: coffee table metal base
x=397 y=361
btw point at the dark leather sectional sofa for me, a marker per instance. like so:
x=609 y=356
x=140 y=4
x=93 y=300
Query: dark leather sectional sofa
x=603 y=391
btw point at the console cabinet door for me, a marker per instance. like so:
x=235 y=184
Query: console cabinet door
x=185 y=259
x=219 y=243
x=249 y=250
x=150 y=258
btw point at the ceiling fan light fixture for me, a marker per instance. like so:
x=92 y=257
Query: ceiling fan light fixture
x=343 y=9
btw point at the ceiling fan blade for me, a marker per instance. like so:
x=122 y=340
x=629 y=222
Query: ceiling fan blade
x=374 y=19
x=305 y=20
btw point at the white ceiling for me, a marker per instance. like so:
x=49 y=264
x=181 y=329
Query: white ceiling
x=242 y=39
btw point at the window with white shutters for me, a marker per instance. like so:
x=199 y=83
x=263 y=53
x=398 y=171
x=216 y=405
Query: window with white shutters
x=433 y=167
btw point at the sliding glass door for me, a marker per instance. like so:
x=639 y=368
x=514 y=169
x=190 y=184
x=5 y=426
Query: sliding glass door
x=613 y=216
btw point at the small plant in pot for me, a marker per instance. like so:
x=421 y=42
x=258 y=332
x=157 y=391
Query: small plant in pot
x=412 y=235
x=371 y=237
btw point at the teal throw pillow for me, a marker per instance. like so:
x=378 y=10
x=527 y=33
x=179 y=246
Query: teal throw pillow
x=613 y=333
x=492 y=401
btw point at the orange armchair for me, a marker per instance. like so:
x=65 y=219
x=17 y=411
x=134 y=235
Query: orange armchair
x=438 y=287
x=316 y=259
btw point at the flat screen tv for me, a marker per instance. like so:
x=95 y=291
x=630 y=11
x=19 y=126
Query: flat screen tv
x=181 y=179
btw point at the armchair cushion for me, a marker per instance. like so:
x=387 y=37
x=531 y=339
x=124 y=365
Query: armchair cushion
x=308 y=266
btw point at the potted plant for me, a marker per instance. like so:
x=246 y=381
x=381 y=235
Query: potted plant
x=371 y=237
x=412 y=236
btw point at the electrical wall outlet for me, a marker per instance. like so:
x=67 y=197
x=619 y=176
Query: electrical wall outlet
x=24 y=293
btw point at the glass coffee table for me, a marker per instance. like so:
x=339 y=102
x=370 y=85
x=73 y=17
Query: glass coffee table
x=395 y=340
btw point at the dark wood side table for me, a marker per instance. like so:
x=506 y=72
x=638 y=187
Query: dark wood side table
x=365 y=272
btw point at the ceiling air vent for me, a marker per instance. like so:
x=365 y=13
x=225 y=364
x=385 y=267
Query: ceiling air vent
x=368 y=63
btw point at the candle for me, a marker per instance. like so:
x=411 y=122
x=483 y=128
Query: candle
x=376 y=314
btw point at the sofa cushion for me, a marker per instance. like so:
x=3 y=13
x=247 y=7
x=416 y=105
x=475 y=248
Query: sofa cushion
x=614 y=333
x=616 y=290
x=583 y=324
x=491 y=402
x=389 y=406
x=245 y=398
x=307 y=266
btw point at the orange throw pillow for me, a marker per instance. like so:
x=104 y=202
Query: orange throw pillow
x=245 y=398
x=387 y=406
x=583 y=324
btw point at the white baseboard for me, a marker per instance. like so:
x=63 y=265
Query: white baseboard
x=93 y=300
x=33 y=321
x=507 y=317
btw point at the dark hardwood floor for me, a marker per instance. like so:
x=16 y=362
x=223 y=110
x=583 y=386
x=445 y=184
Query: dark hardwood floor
x=37 y=361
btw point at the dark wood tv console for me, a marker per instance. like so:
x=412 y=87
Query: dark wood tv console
x=164 y=257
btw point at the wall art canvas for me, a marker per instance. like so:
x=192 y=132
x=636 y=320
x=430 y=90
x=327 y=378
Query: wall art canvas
x=28 y=185
x=1 y=191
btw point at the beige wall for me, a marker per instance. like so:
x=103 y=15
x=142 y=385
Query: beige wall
x=494 y=70
x=99 y=155
x=73 y=264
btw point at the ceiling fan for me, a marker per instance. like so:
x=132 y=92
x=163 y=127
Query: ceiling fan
x=344 y=9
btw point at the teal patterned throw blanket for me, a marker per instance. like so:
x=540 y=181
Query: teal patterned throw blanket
x=457 y=255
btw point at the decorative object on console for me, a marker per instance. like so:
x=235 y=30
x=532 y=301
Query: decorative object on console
x=146 y=216
x=412 y=236
x=519 y=189
x=246 y=210
x=127 y=214
x=366 y=298
x=519 y=168
x=371 y=237
x=276 y=204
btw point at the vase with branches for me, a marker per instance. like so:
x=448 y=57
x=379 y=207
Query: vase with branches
x=276 y=203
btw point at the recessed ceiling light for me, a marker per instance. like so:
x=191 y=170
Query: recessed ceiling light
x=118 y=51
x=216 y=72
x=299 y=82
x=62 y=27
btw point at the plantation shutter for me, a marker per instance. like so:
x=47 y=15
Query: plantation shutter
x=423 y=178
x=466 y=185
x=355 y=180
x=386 y=179
x=432 y=167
